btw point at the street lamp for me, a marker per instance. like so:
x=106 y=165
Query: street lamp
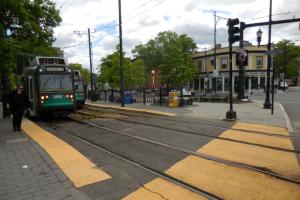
x=153 y=73
x=258 y=36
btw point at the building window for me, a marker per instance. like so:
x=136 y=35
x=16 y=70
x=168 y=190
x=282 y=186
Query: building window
x=200 y=66
x=224 y=63
x=259 y=61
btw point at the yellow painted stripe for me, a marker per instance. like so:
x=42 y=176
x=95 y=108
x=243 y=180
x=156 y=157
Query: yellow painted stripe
x=261 y=128
x=160 y=189
x=281 y=162
x=259 y=139
x=133 y=109
x=76 y=166
x=231 y=182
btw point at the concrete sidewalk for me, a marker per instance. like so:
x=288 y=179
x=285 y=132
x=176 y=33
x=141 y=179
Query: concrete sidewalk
x=246 y=112
x=27 y=171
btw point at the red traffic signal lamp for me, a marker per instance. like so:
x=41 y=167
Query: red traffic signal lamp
x=233 y=30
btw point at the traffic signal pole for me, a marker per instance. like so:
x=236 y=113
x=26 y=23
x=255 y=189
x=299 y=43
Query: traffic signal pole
x=241 y=86
x=232 y=30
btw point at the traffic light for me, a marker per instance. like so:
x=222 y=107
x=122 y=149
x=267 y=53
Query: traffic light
x=232 y=30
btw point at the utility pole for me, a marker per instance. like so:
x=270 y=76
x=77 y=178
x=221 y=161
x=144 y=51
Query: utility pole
x=91 y=65
x=267 y=104
x=121 y=57
x=215 y=50
x=216 y=20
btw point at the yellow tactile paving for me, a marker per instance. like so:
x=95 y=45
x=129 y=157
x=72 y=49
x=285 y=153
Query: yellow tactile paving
x=77 y=167
x=159 y=189
x=250 y=137
x=236 y=183
x=232 y=182
x=133 y=109
x=281 y=162
x=261 y=128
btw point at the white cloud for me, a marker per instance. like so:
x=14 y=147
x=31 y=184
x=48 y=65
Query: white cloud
x=144 y=19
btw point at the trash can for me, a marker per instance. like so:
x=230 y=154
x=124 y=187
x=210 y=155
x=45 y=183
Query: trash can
x=127 y=97
x=173 y=99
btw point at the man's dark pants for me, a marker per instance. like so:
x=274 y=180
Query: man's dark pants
x=17 y=119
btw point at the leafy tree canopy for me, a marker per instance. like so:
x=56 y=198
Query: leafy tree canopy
x=290 y=58
x=26 y=28
x=170 y=54
x=134 y=76
x=85 y=73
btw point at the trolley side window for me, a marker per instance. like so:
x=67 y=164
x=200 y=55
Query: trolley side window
x=56 y=82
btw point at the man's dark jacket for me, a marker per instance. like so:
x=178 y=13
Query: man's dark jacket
x=18 y=102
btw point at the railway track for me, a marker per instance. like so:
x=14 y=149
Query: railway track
x=193 y=133
x=207 y=124
x=148 y=169
x=261 y=170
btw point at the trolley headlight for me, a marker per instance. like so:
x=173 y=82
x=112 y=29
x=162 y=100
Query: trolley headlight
x=71 y=96
x=46 y=96
x=42 y=97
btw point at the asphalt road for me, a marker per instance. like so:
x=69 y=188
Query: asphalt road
x=290 y=100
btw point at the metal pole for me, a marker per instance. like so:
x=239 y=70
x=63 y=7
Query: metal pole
x=121 y=57
x=267 y=104
x=91 y=66
x=215 y=51
x=284 y=63
x=231 y=114
x=241 y=89
x=273 y=88
x=205 y=77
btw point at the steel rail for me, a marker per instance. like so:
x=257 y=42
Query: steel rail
x=151 y=170
x=204 y=124
x=201 y=155
x=201 y=134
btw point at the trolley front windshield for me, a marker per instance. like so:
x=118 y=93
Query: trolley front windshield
x=56 y=82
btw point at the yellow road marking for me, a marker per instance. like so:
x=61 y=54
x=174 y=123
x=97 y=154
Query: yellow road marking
x=77 y=167
x=261 y=128
x=259 y=139
x=133 y=109
x=160 y=189
x=231 y=182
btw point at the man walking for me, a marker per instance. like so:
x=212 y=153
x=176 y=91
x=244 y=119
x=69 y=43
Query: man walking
x=18 y=102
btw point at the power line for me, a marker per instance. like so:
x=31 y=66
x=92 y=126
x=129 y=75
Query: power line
x=70 y=4
x=144 y=11
x=62 y=4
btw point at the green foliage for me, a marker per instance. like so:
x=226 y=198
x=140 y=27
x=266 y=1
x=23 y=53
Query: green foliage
x=134 y=76
x=83 y=71
x=289 y=59
x=31 y=24
x=170 y=54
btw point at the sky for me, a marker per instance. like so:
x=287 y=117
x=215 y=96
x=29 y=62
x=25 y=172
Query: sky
x=142 y=20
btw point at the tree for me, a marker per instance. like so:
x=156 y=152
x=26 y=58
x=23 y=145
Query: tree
x=26 y=29
x=85 y=73
x=170 y=54
x=134 y=76
x=289 y=58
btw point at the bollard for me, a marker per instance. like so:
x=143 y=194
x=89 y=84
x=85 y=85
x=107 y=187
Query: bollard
x=112 y=96
x=181 y=97
x=105 y=98
x=160 y=95
x=144 y=97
